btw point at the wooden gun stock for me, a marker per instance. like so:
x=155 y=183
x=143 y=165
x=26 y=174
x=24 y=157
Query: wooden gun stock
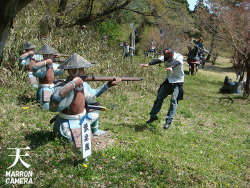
x=105 y=78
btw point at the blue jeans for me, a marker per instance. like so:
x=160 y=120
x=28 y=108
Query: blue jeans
x=164 y=91
x=151 y=50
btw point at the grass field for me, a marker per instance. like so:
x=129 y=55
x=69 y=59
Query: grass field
x=207 y=145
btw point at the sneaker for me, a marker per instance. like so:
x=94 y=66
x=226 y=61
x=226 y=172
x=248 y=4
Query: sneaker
x=99 y=133
x=152 y=119
x=166 y=126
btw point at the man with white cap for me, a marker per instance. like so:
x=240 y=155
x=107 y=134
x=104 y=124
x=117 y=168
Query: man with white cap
x=171 y=86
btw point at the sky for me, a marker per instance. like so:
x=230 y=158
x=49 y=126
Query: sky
x=191 y=3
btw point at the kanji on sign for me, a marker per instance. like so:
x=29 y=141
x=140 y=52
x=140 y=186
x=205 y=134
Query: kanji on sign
x=85 y=127
x=87 y=146
x=86 y=138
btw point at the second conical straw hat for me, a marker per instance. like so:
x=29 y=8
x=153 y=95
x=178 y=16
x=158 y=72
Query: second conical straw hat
x=46 y=49
x=75 y=61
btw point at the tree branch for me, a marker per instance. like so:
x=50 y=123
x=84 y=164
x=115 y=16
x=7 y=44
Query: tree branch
x=138 y=12
x=84 y=20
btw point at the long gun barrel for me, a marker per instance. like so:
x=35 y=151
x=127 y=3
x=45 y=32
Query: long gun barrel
x=62 y=60
x=104 y=78
x=62 y=55
x=58 y=60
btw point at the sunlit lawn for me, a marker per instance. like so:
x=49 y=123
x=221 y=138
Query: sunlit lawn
x=207 y=145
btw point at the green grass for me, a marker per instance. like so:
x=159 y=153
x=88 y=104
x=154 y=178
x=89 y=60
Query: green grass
x=207 y=145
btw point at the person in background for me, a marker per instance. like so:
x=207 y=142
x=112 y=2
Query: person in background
x=193 y=59
x=83 y=28
x=233 y=87
x=104 y=38
x=153 y=49
x=199 y=43
x=126 y=49
x=202 y=50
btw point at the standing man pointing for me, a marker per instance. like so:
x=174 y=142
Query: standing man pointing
x=171 y=86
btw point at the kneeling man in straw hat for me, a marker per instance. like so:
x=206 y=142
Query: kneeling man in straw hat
x=72 y=96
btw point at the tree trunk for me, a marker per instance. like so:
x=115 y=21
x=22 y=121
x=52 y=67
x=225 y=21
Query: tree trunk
x=4 y=33
x=62 y=6
x=9 y=9
x=211 y=48
x=139 y=30
x=91 y=8
x=61 y=10
x=246 y=92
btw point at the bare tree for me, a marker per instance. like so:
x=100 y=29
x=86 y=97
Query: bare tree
x=89 y=16
x=232 y=20
x=9 y=10
x=87 y=11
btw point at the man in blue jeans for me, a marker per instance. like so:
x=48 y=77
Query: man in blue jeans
x=171 y=86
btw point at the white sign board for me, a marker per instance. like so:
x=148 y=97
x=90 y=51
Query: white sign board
x=86 y=138
x=133 y=38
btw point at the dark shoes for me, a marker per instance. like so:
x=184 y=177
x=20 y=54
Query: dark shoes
x=152 y=119
x=166 y=126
